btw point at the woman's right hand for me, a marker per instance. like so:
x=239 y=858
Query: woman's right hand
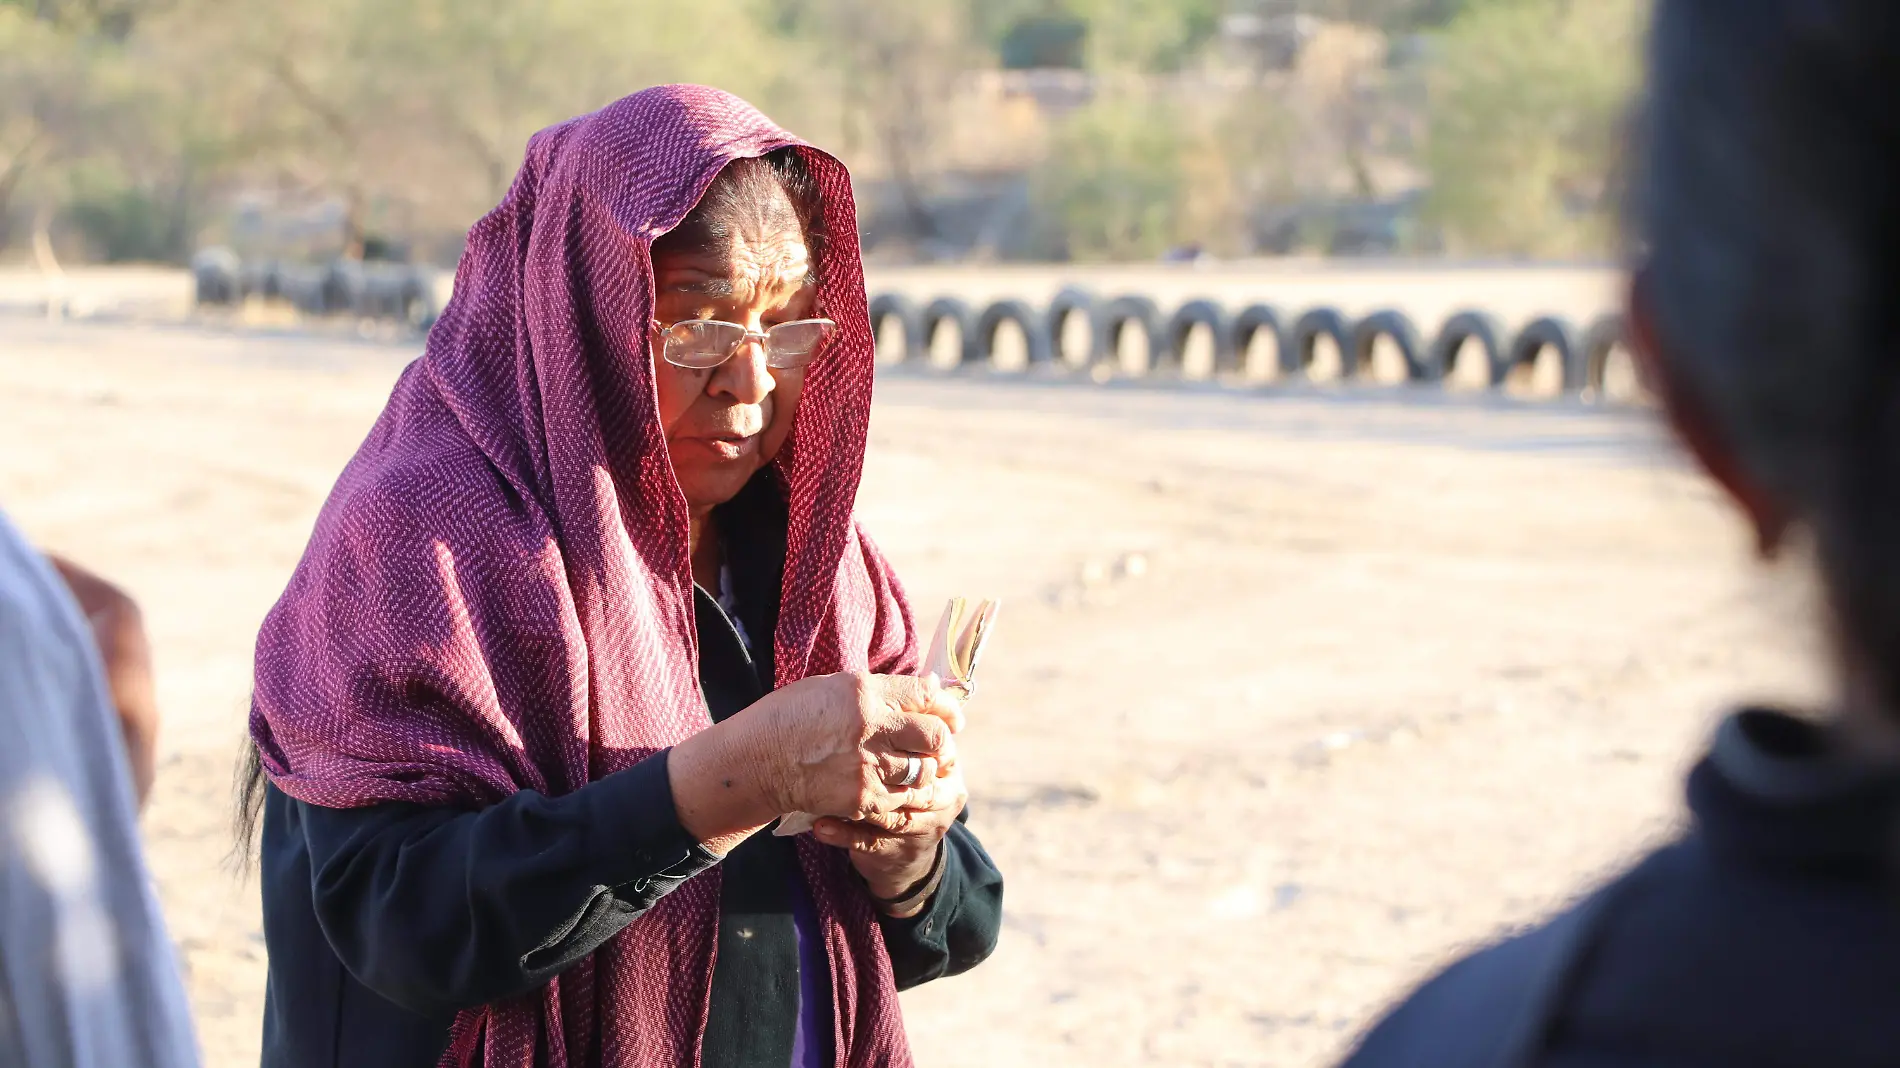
x=830 y=745
x=837 y=743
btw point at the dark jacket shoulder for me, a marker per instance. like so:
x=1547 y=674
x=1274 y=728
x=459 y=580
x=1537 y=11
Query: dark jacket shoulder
x=1768 y=935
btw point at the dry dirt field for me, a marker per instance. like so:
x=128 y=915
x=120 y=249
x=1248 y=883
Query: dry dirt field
x=1296 y=692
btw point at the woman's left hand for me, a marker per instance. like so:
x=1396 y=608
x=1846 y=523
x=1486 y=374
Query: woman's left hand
x=118 y=630
x=897 y=852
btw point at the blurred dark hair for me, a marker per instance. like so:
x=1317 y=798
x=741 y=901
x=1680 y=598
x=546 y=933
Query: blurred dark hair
x=753 y=195
x=250 y=806
x=1765 y=215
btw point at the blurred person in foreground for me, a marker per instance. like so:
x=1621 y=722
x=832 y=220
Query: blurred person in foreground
x=1766 y=310
x=587 y=612
x=87 y=975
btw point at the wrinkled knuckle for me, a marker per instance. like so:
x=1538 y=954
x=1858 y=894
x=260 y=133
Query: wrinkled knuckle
x=935 y=732
x=865 y=697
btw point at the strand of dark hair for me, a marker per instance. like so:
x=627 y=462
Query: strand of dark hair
x=749 y=192
x=248 y=813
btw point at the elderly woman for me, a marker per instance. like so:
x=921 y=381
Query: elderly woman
x=587 y=612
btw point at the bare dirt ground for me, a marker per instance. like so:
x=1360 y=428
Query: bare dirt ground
x=1295 y=693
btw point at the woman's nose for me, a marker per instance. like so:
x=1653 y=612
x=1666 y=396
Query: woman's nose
x=745 y=376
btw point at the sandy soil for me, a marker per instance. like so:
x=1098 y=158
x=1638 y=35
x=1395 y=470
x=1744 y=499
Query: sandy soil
x=1296 y=692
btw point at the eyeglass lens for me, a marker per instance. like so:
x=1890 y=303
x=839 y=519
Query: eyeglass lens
x=707 y=343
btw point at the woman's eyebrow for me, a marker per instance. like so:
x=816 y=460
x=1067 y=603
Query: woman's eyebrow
x=705 y=285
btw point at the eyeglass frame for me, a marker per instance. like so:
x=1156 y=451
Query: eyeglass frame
x=764 y=338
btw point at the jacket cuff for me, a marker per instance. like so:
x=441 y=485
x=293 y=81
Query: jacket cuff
x=929 y=928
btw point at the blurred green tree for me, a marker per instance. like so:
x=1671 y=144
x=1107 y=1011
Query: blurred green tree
x=47 y=99
x=417 y=112
x=1527 y=101
x=1119 y=35
x=134 y=117
x=1148 y=35
x=894 y=67
x=1043 y=42
x=1129 y=178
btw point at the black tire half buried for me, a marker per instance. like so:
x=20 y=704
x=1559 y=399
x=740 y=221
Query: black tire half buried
x=1253 y=319
x=1073 y=300
x=1206 y=313
x=216 y=275
x=888 y=305
x=1035 y=328
x=1556 y=333
x=1465 y=326
x=1307 y=331
x=1144 y=313
x=969 y=347
x=1397 y=326
x=1603 y=336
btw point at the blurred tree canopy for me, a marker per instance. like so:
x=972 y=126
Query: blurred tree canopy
x=135 y=129
x=1150 y=35
x=1117 y=186
x=1528 y=99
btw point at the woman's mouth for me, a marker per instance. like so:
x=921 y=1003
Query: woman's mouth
x=732 y=447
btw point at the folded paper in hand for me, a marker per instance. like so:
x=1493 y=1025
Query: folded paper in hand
x=951 y=656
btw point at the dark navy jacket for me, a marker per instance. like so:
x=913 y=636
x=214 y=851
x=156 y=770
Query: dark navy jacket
x=1769 y=935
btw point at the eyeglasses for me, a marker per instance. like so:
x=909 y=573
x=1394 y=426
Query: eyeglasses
x=703 y=344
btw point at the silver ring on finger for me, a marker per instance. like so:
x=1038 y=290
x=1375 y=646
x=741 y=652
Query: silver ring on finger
x=913 y=770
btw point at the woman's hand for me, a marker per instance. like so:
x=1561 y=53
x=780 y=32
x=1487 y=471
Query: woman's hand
x=118 y=629
x=844 y=741
x=896 y=852
x=831 y=745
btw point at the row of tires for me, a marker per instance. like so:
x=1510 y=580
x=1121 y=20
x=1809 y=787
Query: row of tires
x=1582 y=353
x=408 y=294
x=367 y=290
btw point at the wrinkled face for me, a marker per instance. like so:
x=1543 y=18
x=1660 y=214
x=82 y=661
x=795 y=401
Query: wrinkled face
x=723 y=424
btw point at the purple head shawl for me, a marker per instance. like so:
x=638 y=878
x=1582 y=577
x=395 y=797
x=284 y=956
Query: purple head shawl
x=498 y=597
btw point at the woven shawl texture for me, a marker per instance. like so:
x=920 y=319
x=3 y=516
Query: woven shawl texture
x=498 y=596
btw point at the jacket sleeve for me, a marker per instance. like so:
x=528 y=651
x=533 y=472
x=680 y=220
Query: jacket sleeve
x=443 y=910
x=958 y=929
